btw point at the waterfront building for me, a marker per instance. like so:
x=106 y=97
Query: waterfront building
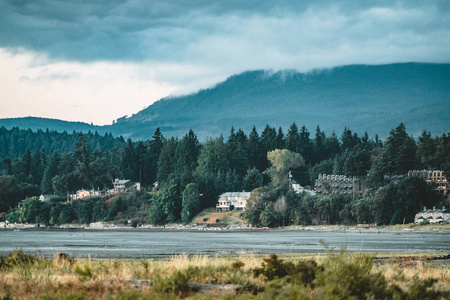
x=232 y=200
x=339 y=184
x=434 y=176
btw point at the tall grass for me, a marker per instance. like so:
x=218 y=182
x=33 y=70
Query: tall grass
x=332 y=276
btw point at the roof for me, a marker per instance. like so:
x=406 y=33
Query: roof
x=121 y=181
x=50 y=195
x=437 y=210
x=236 y=194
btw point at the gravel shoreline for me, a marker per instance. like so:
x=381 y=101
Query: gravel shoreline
x=180 y=227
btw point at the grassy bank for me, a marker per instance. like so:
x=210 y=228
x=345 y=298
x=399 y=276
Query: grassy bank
x=328 y=276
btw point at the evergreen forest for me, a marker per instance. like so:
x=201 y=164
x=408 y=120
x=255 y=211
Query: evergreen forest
x=190 y=175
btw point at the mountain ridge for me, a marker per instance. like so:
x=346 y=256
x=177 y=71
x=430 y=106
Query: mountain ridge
x=372 y=98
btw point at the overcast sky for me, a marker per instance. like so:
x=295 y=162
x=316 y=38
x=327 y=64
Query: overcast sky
x=95 y=61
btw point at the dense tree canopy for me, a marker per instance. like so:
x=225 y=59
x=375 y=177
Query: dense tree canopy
x=191 y=175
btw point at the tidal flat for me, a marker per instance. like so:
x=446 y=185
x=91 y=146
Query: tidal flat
x=166 y=243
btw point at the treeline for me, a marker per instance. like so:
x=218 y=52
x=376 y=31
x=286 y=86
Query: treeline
x=394 y=203
x=15 y=142
x=191 y=175
x=120 y=209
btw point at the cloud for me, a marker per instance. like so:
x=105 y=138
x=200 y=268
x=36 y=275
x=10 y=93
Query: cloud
x=96 y=92
x=123 y=55
x=204 y=32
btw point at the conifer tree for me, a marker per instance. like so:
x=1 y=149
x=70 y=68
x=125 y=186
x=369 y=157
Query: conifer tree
x=254 y=149
x=166 y=161
x=154 y=150
x=191 y=202
x=280 y=144
x=293 y=139
x=305 y=146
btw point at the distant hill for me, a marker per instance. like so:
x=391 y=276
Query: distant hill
x=362 y=97
x=35 y=123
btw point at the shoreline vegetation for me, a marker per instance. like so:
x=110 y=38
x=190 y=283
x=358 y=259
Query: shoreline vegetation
x=227 y=221
x=334 y=275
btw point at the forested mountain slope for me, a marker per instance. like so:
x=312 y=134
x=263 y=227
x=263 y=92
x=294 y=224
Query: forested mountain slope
x=364 y=98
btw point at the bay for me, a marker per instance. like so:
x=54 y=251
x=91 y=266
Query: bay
x=168 y=243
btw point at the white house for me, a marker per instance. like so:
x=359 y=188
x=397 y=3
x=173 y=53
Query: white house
x=236 y=199
x=125 y=185
x=47 y=197
x=433 y=216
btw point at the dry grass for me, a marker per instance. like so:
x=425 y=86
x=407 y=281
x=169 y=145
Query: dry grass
x=147 y=278
x=403 y=270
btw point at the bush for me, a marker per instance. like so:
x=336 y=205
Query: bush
x=303 y=273
x=134 y=223
x=348 y=277
x=341 y=276
x=85 y=273
x=177 y=283
x=17 y=258
x=273 y=267
x=237 y=265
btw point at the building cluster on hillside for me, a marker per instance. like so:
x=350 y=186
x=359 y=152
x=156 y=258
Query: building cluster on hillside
x=119 y=186
x=434 y=176
x=300 y=189
x=232 y=200
x=433 y=216
x=339 y=184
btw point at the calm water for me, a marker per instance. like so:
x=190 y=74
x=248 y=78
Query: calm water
x=160 y=244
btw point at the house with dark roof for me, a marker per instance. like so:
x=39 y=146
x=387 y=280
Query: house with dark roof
x=433 y=216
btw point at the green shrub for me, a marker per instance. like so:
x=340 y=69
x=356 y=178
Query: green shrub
x=237 y=265
x=273 y=267
x=421 y=289
x=177 y=283
x=341 y=276
x=303 y=273
x=281 y=289
x=85 y=273
x=17 y=258
x=350 y=277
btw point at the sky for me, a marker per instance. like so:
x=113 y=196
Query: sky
x=96 y=61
